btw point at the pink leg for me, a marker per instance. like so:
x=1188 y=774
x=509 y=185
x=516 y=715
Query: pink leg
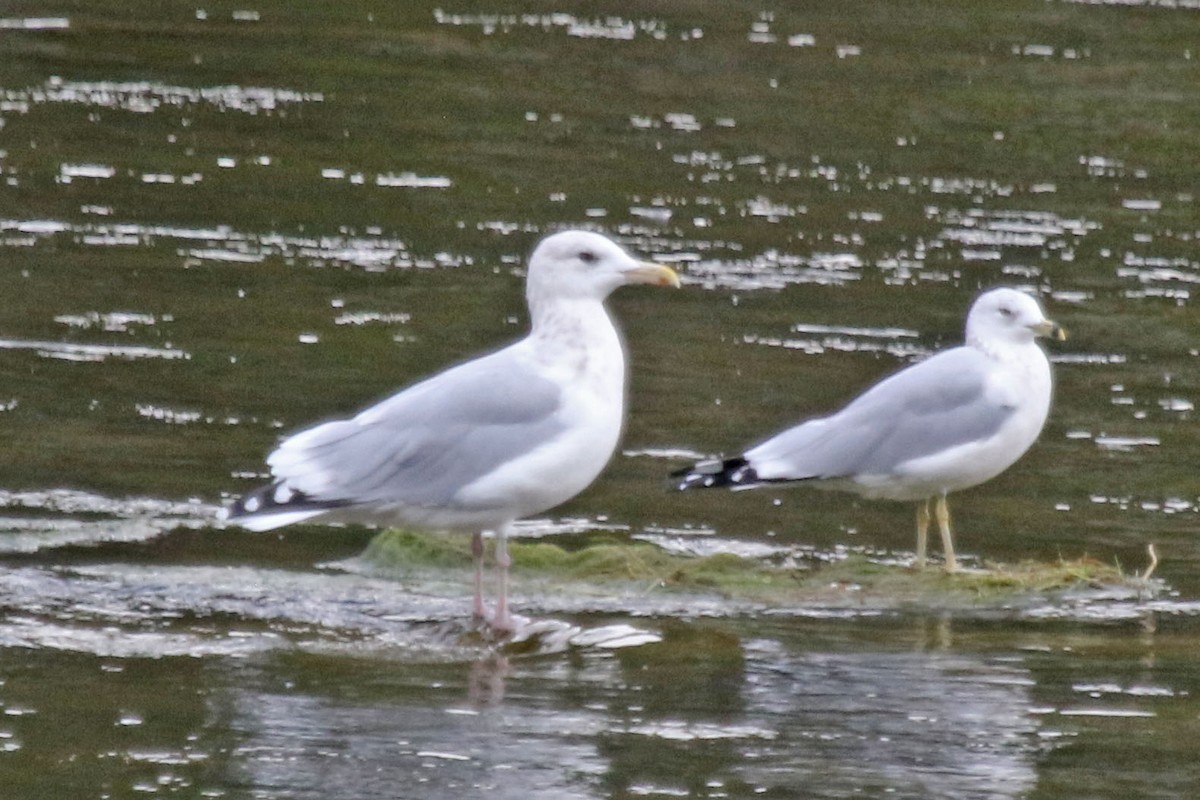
x=477 y=555
x=503 y=620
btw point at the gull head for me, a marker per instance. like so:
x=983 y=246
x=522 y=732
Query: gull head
x=581 y=264
x=1010 y=316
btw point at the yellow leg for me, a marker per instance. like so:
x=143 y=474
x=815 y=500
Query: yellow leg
x=943 y=518
x=922 y=532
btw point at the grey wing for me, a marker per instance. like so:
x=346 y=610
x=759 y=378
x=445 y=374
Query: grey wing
x=421 y=446
x=924 y=409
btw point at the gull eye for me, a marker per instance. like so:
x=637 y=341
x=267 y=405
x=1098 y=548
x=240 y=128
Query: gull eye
x=1006 y=312
x=588 y=257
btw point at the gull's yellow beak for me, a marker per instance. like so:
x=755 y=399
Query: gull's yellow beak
x=1050 y=329
x=655 y=274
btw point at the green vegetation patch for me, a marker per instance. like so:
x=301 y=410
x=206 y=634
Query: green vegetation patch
x=613 y=564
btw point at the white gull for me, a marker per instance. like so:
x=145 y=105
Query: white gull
x=952 y=421
x=484 y=443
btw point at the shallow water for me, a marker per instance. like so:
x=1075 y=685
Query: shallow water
x=220 y=223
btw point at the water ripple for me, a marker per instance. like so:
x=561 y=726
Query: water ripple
x=146 y=97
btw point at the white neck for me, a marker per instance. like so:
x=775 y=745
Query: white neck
x=578 y=336
x=1000 y=349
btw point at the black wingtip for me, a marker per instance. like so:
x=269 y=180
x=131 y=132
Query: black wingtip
x=715 y=473
x=257 y=501
x=273 y=498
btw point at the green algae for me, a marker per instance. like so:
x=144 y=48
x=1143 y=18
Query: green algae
x=615 y=565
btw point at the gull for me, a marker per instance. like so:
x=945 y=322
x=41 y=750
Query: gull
x=952 y=421
x=511 y=433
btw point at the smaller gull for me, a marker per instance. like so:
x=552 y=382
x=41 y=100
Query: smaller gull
x=484 y=443
x=954 y=420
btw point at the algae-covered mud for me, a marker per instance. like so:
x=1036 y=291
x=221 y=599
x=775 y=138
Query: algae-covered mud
x=652 y=571
x=220 y=222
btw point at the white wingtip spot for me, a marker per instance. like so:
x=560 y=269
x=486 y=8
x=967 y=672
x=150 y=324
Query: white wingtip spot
x=251 y=505
x=282 y=494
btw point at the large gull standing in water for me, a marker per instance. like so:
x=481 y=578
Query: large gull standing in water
x=484 y=443
x=954 y=420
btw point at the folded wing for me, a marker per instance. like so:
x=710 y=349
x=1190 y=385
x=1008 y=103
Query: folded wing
x=418 y=448
x=924 y=410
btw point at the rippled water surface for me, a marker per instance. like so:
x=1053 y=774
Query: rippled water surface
x=221 y=221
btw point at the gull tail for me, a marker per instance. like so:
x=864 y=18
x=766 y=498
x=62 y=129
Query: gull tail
x=274 y=506
x=735 y=473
